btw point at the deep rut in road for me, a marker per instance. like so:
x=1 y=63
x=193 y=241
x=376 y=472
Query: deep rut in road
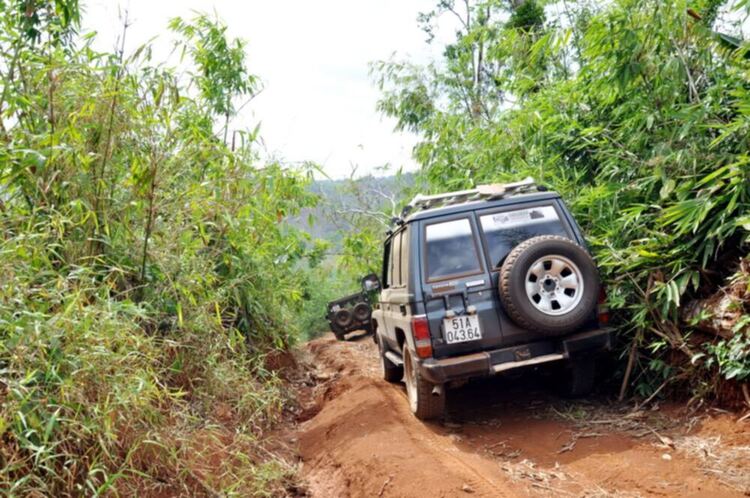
x=503 y=437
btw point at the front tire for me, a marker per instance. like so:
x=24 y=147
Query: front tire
x=337 y=331
x=423 y=403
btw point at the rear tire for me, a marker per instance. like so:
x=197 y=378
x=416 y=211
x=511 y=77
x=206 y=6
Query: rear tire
x=391 y=373
x=578 y=378
x=423 y=404
x=343 y=318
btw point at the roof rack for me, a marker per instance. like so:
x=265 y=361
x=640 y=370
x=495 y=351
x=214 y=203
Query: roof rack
x=482 y=192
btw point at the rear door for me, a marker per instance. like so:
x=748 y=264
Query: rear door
x=504 y=228
x=400 y=310
x=395 y=298
x=457 y=287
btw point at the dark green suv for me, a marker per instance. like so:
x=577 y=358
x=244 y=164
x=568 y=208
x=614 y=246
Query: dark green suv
x=483 y=281
x=349 y=313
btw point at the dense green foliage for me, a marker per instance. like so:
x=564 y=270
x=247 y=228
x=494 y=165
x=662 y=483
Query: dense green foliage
x=638 y=114
x=144 y=267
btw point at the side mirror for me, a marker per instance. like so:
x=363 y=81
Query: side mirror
x=371 y=283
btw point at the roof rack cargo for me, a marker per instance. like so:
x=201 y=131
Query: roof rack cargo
x=482 y=192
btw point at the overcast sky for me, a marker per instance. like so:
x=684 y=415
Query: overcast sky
x=319 y=100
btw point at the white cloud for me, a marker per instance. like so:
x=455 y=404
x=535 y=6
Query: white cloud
x=319 y=101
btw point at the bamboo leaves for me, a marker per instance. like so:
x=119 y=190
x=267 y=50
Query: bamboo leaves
x=142 y=260
x=221 y=74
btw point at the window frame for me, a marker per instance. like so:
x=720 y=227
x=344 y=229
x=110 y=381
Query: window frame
x=477 y=249
x=387 y=254
x=404 y=267
x=396 y=260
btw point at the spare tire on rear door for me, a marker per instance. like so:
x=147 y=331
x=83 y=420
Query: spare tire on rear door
x=343 y=318
x=361 y=312
x=549 y=284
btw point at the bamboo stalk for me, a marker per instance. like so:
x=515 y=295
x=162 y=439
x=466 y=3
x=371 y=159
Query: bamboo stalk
x=99 y=176
x=8 y=80
x=629 y=368
x=150 y=218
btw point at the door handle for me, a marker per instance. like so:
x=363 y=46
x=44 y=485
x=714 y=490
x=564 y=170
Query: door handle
x=402 y=307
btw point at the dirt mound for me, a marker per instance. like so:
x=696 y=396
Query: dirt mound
x=503 y=437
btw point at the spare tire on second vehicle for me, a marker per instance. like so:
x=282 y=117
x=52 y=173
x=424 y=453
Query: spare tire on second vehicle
x=343 y=318
x=362 y=312
x=549 y=284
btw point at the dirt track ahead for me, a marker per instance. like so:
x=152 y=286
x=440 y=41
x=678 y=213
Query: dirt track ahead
x=503 y=437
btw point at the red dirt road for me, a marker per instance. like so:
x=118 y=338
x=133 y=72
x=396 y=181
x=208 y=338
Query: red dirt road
x=503 y=437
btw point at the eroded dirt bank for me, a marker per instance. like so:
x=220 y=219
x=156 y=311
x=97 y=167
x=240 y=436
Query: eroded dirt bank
x=503 y=437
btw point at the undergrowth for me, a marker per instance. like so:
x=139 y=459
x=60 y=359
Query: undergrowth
x=144 y=272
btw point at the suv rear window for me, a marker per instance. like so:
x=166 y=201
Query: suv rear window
x=506 y=229
x=451 y=249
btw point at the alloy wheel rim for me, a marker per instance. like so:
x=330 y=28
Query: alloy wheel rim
x=554 y=285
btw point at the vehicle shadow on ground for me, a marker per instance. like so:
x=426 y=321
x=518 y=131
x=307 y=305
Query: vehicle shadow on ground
x=521 y=416
x=515 y=430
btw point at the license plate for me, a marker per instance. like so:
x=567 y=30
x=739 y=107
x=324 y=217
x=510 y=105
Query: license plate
x=462 y=329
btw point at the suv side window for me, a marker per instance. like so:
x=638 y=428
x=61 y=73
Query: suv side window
x=396 y=260
x=505 y=230
x=450 y=250
x=387 y=264
x=404 y=257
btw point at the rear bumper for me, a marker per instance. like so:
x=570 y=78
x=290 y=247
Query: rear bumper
x=440 y=371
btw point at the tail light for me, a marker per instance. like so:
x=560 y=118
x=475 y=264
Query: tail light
x=603 y=308
x=420 y=330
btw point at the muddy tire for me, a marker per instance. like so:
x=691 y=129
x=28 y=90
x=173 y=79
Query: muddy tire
x=343 y=318
x=549 y=284
x=391 y=373
x=578 y=378
x=336 y=330
x=423 y=404
x=362 y=312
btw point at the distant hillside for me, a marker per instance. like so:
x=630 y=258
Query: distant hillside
x=340 y=200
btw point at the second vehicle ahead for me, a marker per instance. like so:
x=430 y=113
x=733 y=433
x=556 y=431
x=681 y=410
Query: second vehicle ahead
x=480 y=282
x=353 y=312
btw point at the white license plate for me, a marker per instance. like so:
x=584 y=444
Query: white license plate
x=462 y=329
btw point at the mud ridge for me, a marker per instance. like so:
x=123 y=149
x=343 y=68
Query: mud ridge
x=502 y=437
